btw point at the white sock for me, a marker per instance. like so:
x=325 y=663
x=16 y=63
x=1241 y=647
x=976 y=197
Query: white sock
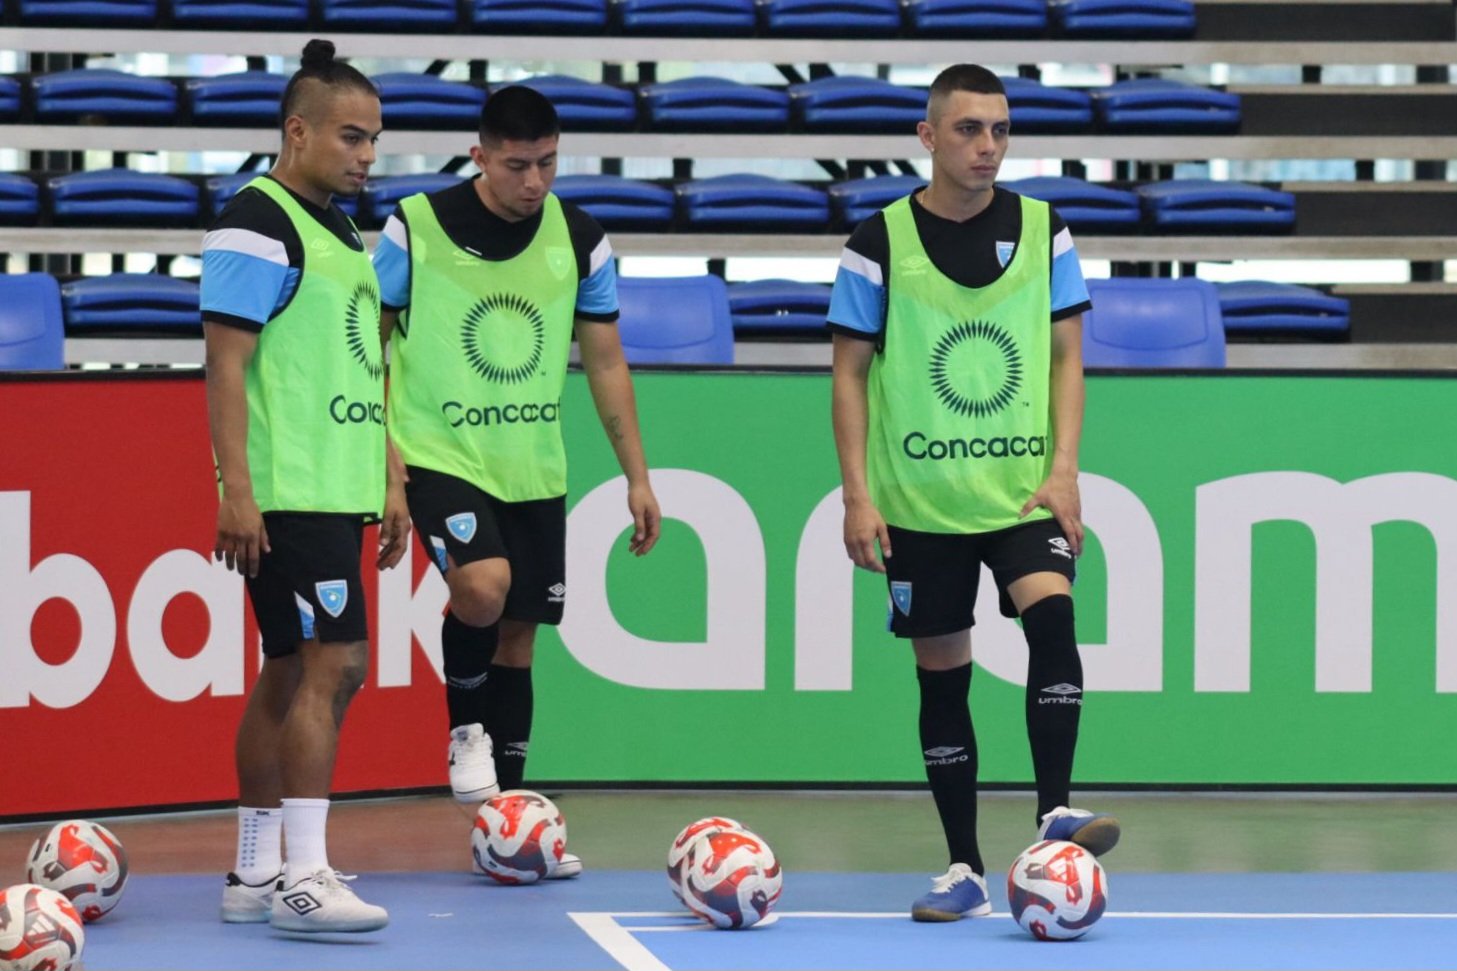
x=304 y=821
x=260 y=844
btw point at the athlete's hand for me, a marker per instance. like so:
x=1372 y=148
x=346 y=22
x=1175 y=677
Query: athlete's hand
x=647 y=521
x=394 y=528
x=864 y=527
x=242 y=538
x=1059 y=496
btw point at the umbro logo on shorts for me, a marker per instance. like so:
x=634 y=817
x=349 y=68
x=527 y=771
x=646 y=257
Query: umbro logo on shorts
x=301 y=903
x=558 y=592
x=1061 y=547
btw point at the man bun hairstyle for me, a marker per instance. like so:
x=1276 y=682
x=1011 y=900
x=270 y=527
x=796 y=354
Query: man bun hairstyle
x=318 y=66
x=518 y=114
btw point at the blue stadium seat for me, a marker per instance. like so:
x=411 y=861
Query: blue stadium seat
x=112 y=96
x=131 y=302
x=978 y=18
x=619 y=203
x=831 y=18
x=245 y=99
x=1205 y=205
x=765 y=308
x=1141 y=323
x=753 y=203
x=1161 y=105
x=539 y=16
x=1084 y=206
x=714 y=104
x=694 y=18
x=389 y=15
x=19 y=200
x=1259 y=307
x=380 y=196
x=856 y=200
x=856 y=105
x=1038 y=107
x=249 y=14
x=123 y=196
x=1130 y=19
x=32 y=337
x=585 y=105
x=221 y=188
x=675 y=320
x=9 y=99
x=89 y=13
x=428 y=101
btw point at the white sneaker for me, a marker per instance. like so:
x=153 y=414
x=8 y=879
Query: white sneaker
x=570 y=865
x=472 y=768
x=320 y=903
x=247 y=903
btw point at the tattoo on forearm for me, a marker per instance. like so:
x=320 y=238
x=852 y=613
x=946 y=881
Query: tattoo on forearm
x=614 y=428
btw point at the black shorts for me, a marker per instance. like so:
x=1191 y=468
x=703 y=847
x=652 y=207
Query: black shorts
x=308 y=585
x=933 y=577
x=453 y=517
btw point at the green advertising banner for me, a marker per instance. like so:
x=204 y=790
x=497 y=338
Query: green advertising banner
x=1268 y=594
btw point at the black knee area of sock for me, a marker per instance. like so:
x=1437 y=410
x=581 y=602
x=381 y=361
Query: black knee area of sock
x=466 y=653
x=1052 y=638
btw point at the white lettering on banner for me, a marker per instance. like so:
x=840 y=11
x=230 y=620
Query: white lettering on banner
x=219 y=665
x=824 y=595
x=1340 y=516
x=60 y=576
x=405 y=616
x=1132 y=656
x=732 y=655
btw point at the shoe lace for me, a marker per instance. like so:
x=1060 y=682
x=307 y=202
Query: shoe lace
x=947 y=880
x=335 y=879
x=476 y=750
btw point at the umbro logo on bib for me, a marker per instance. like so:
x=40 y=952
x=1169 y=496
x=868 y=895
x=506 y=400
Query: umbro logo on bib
x=915 y=265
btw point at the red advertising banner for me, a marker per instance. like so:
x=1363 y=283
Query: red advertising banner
x=125 y=651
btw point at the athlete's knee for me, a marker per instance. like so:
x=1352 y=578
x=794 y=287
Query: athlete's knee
x=479 y=597
x=1049 y=623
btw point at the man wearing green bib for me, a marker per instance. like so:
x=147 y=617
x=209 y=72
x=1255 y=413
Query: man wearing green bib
x=295 y=389
x=958 y=408
x=484 y=285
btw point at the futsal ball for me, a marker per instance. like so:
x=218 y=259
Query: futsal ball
x=678 y=849
x=82 y=860
x=519 y=837
x=39 y=930
x=1057 y=890
x=731 y=878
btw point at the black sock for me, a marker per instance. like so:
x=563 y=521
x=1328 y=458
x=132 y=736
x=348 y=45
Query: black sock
x=949 y=747
x=467 y=652
x=509 y=697
x=1054 y=697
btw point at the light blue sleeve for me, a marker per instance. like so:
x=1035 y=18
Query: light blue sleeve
x=857 y=300
x=597 y=295
x=237 y=284
x=1068 y=287
x=392 y=265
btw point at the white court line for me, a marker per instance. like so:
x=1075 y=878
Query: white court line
x=618 y=942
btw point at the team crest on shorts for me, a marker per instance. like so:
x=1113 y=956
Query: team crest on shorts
x=900 y=595
x=333 y=596
x=462 y=526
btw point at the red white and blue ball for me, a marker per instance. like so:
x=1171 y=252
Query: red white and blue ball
x=519 y=837
x=82 y=860
x=39 y=930
x=1057 y=890
x=731 y=879
x=683 y=842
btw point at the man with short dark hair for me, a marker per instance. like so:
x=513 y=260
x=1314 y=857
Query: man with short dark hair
x=958 y=408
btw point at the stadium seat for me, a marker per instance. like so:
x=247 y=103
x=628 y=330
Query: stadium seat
x=694 y=18
x=248 y=98
x=978 y=18
x=122 y=196
x=1142 y=323
x=221 y=188
x=1255 y=307
x=765 y=308
x=389 y=15
x=831 y=18
x=856 y=200
x=585 y=105
x=19 y=200
x=856 y=105
x=752 y=203
x=129 y=303
x=242 y=14
x=1130 y=19
x=619 y=203
x=539 y=16
x=380 y=196
x=1206 y=205
x=1084 y=206
x=88 y=13
x=428 y=101
x=1038 y=107
x=9 y=99
x=714 y=104
x=31 y=334
x=1161 y=105
x=88 y=94
x=675 y=320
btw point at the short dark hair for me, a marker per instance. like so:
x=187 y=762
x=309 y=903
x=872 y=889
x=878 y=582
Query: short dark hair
x=962 y=77
x=318 y=64
x=518 y=114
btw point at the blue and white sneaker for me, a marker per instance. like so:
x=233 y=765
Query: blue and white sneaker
x=958 y=893
x=1095 y=832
